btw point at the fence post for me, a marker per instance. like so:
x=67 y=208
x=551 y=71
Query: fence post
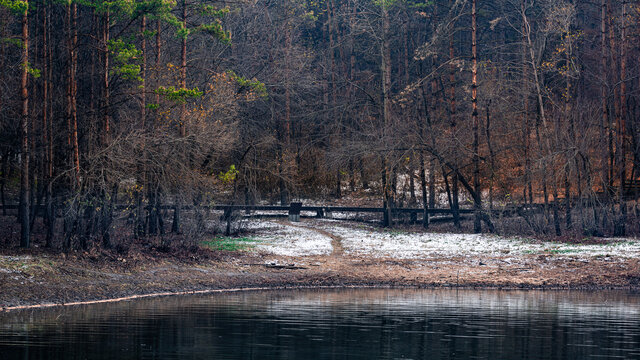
x=294 y=211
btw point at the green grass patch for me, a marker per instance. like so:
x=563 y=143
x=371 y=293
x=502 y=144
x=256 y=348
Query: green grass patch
x=230 y=244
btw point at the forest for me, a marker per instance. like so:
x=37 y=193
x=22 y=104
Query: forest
x=120 y=115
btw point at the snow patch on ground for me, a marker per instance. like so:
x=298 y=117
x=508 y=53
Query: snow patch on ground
x=400 y=245
x=287 y=240
x=369 y=241
x=365 y=240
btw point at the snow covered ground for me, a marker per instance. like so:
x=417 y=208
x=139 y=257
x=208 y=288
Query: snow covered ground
x=300 y=239
x=276 y=238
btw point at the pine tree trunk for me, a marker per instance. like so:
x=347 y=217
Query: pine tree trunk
x=604 y=123
x=525 y=117
x=25 y=236
x=106 y=95
x=74 y=95
x=350 y=88
x=183 y=72
x=492 y=156
x=50 y=202
x=613 y=65
x=572 y=136
x=139 y=224
x=622 y=161
x=386 y=111
x=477 y=224
x=453 y=123
x=154 y=215
x=47 y=168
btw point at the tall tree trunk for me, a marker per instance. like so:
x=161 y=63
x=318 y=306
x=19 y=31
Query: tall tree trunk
x=411 y=166
x=157 y=69
x=285 y=123
x=154 y=215
x=72 y=216
x=140 y=226
x=452 y=104
x=3 y=59
x=572 y=136
x=175 y=226
x=45 y=97
x=183 y=70
x=34 y=177
x=492 y=156
x=613 y=66
x=45 y=115
x=143 y=73
x=604 y=124
x=5 y=160
x=47 y=126
x=50 y=202
x=68 y=39
x=477 y=224
x=96 y=31
x=334 y=92
x=541 y=134
x=534 y=67
x=386 y=109
x=434 y=112
x=287 y=87
x=525 y=117
x=74 y=95
x=107 y=211
x=25 y=236
x=423 y=137
x=622 y=166
x=107 y=91
x=350 y=88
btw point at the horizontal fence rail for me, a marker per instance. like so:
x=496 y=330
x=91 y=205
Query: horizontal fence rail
x=320 y=210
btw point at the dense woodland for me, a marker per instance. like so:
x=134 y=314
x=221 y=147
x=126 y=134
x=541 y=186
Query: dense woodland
x=527 y=104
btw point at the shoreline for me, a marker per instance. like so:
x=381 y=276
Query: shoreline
x=278 y=279
x=313 y=255
x=48 y=305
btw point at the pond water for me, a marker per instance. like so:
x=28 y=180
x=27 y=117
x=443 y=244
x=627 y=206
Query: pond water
x=335 y=324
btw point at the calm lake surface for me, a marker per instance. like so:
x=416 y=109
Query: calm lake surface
x=335 y=324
